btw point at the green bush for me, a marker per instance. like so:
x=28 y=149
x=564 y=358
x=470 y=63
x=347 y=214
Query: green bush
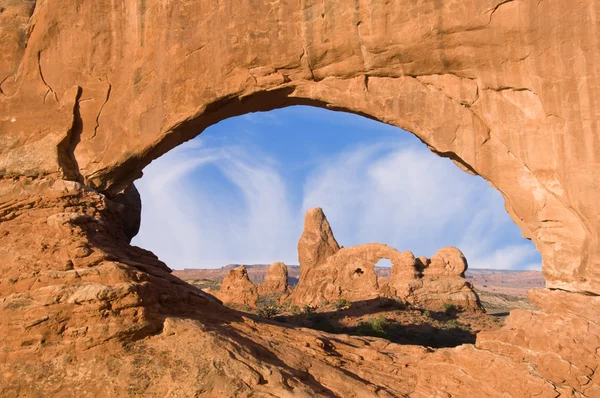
x=452 y=324
x=295 y=310
x=267 y=299
x=309 y=309
x=269 y=311
x=374 y=326
x=341 y=303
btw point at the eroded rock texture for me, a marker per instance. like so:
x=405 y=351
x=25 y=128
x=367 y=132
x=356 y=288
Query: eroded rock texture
x=237 y=288
x=276 y=280
x=317 y=242
x=349 y=273
x=92 y=92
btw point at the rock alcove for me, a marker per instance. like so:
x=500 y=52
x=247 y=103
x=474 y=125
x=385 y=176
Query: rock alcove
x=484 y=83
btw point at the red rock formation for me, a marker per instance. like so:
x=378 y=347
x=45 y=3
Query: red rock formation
x=317 y=242
x=506 y=89
x=276 y=280
x=448 y=261
x=236 y=288
x=350 y=274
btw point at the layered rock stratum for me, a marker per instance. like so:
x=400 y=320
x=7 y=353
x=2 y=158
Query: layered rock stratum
x=92 y=92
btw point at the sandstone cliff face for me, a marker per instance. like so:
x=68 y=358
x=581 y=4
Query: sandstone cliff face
x=506 y=89
x=276 y=280
x=237 y=288
x=349 y=273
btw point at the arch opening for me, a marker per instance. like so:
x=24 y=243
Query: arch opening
x=252 y=191
x=278 y=147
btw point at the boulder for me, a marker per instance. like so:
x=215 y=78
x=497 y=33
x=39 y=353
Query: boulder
x=447 y=262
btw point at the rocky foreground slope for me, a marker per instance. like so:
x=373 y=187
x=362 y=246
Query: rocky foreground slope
x=112 y=320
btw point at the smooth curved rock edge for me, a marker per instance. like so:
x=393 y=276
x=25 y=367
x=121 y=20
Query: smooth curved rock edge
x=507 y=90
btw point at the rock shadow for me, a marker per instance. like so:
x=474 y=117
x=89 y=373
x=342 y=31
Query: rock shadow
x=447 y=333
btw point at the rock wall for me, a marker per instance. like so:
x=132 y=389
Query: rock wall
x=91 y=92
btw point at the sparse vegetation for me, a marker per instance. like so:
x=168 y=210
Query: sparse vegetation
x=268 y=306
x=374 y=326
x=269 y=311
x=452 y=324
x=309 y=309
x=341 y=304
x=295 y=310
x=451 y=309
x=204 y=283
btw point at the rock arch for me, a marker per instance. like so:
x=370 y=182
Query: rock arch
x=92 y=92
x=330 y=272
x=472 y=82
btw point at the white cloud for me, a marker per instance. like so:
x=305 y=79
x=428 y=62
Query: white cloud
x=188 y=224
x=511 y=257
x=402 y=196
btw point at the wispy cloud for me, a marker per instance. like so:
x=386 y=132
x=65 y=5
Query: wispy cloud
x=207 y=206
x=413 y=200
x=188 y=223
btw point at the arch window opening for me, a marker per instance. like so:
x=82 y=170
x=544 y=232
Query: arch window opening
x=237 y=194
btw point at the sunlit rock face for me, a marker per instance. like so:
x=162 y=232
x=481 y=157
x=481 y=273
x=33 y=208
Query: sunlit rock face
x=276 y=280
x=92 y=92
x=237 y=288
x=349 y=273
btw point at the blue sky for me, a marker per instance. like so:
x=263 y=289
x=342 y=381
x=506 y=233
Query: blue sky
x=238 y=193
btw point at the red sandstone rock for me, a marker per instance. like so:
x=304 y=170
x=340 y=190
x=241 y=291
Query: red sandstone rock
x=317 y=242
x=237 y=288
x=100 y=116
x=276 y=280
x=350 y=274
x=448 y=261
x=506 y=89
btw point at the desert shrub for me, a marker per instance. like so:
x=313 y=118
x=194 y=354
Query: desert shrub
x=269 y=311
x=453 y=324
x=374 y=326
x=267 y=299
x=341 y=303
x=309 y=309
x=427 y=314
x=450 y=309
x=295 y=310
